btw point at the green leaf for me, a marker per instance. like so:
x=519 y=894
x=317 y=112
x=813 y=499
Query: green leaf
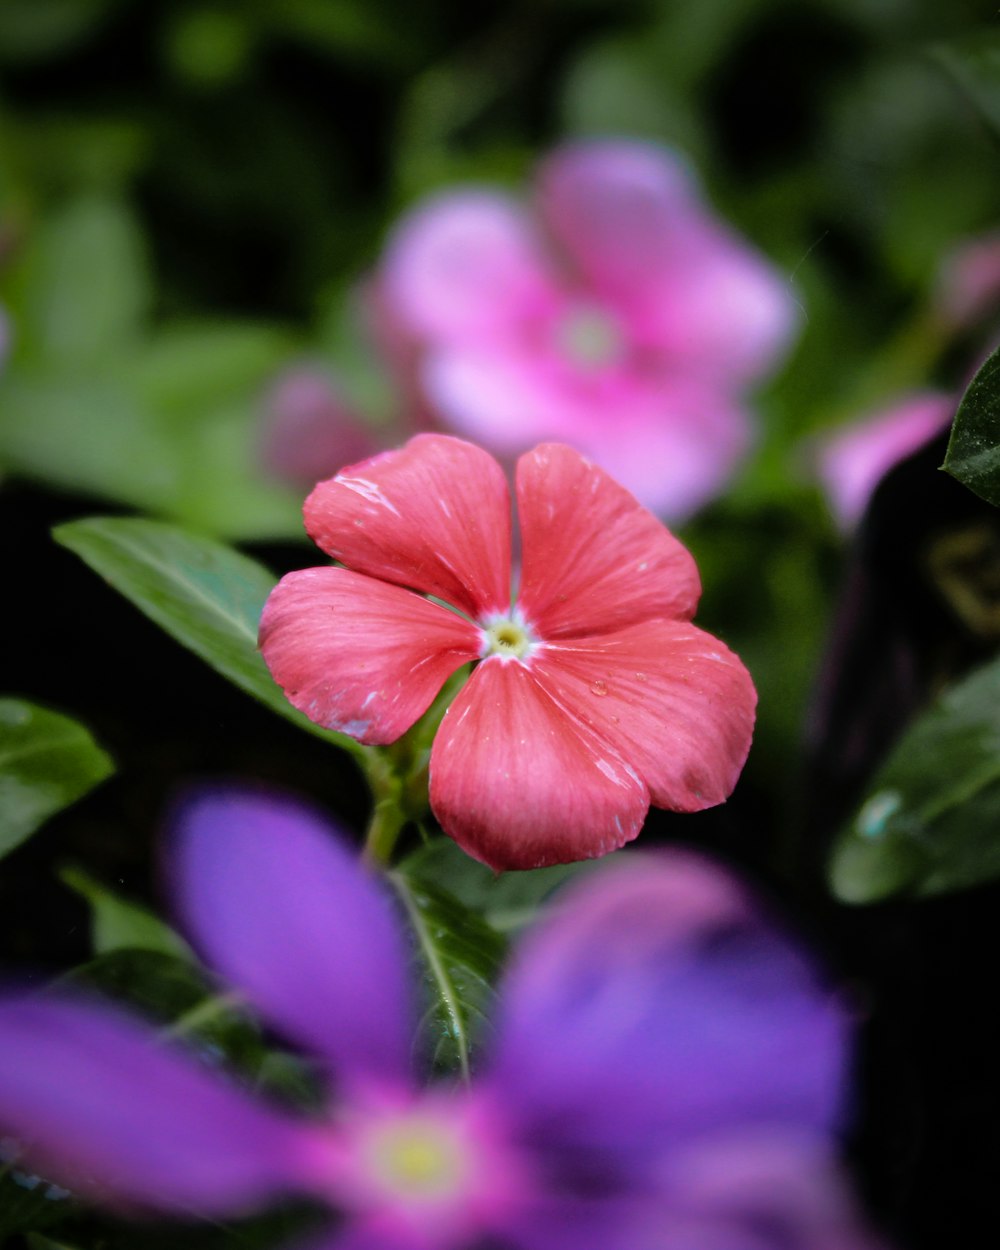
x=506 y=901
x=205 y=595
x=28 y=1200
x=973 y=62
x=117 y=923
x=85 y=283
x=458 y=955
x=974 y=447
x=175 y=993
x=47 y=761
x=929 y=822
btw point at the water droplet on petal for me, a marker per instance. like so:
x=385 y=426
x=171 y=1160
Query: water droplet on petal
x=640 y=676
x=599 y=687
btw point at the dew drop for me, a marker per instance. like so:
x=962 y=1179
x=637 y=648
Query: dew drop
x=640 y=676
x=599 y=687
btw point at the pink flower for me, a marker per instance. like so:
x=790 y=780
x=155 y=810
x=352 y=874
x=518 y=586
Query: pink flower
x=594 y=696
x=310 y=429
x=665 y=1070
x=968 y=287
x=854 y=459
x=617 y=315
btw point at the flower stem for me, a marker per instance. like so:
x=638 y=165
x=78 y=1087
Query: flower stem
x=384 y=828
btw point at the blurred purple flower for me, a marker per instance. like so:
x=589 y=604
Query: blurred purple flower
x=852 y=460
x=665 y=1069
x=309 y=428
x=617 y=314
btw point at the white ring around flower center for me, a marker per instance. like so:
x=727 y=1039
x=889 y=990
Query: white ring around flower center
x=507 y=637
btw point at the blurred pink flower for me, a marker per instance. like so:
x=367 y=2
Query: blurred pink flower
x=309 y=428
x=968 y=287
x=853 y=460
x=616 y=313
x=594 y=695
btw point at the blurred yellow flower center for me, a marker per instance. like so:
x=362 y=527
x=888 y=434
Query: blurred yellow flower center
x=506 y=638
x=418 y=1158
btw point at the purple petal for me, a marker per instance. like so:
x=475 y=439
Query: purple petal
x=762 y=1191
x=101 y=1103
x=657 y=1004
x=283 y=909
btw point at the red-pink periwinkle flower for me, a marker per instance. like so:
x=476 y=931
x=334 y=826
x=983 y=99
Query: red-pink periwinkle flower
x=310 y=429
x=853 y=460
x=665 y=1070
x=615 y=313
x=593 y=695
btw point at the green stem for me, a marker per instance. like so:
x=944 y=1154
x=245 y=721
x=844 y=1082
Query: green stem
x=384 y=828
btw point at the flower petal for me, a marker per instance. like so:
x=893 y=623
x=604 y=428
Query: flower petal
x=673 y=442
x=519 y=784
x=759 y=1190
x=360 y=656
x=855 y=458
x=615 y=206
x=656 y=1004
x=283 y=910
x=433 y=515
x=101 y=1102
x=669 y=698
x=674 y=452
x=464 y=266
x=594 y=559
x=631 y=218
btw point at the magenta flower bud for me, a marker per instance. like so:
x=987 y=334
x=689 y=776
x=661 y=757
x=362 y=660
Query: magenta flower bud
x=309 y=429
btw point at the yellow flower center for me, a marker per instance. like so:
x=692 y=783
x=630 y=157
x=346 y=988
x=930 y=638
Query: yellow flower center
x=507 y=638
x=417 y=1158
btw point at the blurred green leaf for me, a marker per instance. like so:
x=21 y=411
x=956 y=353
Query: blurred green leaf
x=38 y=28
x=118 y=923
x=205 y=595
x=459 y=955
x=929 y=821
x=973 y=62
x=47 y=761
x=974 y=448
x=506 y=901
x=174 y=993
x=84 y=285
x=28 y=1200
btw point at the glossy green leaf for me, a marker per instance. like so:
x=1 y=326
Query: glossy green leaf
x=974 y=448
x=929 y=822
x=506 y=901
x=118 y=923
x=206 y=595
x=973 y=62
x=458 y=955
x=47 y=761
